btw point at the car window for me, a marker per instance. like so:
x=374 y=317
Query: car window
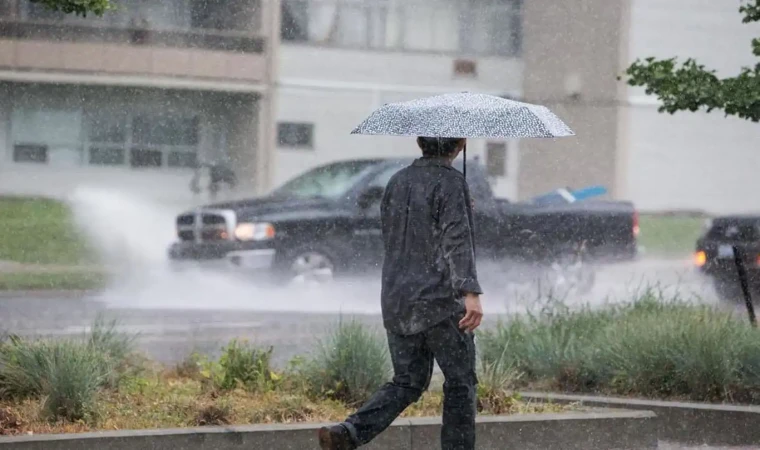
x=330 y=181
x=382 y=178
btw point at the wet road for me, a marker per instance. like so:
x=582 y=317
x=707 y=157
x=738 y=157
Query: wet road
x=176 y=314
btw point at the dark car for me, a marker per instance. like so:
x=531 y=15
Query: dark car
x=714 y=255
x=326 y=222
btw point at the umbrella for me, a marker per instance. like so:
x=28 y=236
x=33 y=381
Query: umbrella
x=464 y=115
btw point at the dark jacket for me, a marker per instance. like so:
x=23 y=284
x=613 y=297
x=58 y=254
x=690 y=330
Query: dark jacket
x=428 y=233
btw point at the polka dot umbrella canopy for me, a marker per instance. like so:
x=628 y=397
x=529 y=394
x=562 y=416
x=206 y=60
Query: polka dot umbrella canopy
x=464 y=115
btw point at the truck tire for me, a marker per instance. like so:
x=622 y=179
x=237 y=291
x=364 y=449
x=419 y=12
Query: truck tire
x=570 y=273
x=307 y=265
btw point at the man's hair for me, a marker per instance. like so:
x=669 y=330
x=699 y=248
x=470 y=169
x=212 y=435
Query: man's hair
x=439 y=147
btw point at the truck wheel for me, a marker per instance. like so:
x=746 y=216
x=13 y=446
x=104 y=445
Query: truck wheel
x=308 y=266
x=728 y=290
x=570 y=274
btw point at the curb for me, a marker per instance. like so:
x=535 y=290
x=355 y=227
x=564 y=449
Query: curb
x=569 y=431
x=685 y=422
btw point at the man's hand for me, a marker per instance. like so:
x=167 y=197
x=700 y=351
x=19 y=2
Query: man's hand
x=474 y=313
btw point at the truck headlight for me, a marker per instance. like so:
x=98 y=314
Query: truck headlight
x=254 y=231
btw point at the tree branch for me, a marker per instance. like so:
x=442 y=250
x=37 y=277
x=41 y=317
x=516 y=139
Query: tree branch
x=691 y=87
x=78 y=7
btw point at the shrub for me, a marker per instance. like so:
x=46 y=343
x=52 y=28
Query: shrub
x=349 y=365
x=190 y=367
x=9 y=422
x=66 y=373
x=496 y=377
x=74 y=375
x=213 y=415
x=656 y=345
x=118 y=348
x=241 y=365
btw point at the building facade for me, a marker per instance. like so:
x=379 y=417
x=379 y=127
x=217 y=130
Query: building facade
x=135 y=99
x=341 y=59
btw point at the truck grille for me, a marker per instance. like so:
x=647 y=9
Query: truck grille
x=204 y=226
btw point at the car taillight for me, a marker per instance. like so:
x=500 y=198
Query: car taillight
x=757 y=261
x=700 y=258
x=635 y=224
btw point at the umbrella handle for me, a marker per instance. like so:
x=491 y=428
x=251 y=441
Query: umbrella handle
x=464 y=160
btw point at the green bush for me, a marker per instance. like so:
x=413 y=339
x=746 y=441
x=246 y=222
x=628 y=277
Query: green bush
x=241 y=366
x=66 y=373
x=117 y=348
x=655 y=346
x=349 y=365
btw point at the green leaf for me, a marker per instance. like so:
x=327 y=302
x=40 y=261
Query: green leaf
x=78 y=7
x=689 y=86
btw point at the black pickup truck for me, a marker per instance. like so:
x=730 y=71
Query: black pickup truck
x=714 y=255
x=326 y=222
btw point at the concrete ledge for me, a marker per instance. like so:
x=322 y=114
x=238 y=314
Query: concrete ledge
x=685 y=422
x=570 y=431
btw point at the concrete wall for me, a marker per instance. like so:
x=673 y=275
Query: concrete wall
x=571 y=431
x=691 y=160
x=337 y=88
x=572 y=58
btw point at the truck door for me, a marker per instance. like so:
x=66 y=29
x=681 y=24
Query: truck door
x=367 y=234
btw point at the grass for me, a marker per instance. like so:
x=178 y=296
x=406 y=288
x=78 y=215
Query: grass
x=654 y=347
x=40 y=231
x=65 y=376
x=30 y=281
x=97 y=384
x=669 y=235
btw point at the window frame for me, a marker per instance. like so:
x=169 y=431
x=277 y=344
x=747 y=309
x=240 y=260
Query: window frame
x=49 y=145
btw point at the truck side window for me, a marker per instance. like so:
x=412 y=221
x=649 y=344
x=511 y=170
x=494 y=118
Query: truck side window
x=382 y=179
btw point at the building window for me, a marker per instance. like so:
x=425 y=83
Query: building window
x=496 y=159
x=156 y=136
x=46 y=136
x=295 y=135
x=30 y=153
x=107 y=138
x=104 y=156
x=480 y=27
x=141 y=157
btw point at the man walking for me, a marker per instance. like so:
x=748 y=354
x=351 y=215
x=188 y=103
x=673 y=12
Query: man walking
x=430 y=300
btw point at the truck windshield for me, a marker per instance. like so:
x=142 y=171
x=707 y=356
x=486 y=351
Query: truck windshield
x=330 y=181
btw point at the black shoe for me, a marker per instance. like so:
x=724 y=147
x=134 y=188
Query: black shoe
x=335 y=437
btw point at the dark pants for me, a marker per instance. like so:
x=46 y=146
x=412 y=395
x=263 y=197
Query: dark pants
x=412 y=358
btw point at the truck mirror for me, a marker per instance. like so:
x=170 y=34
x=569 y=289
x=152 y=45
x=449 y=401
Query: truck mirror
x=370 y=196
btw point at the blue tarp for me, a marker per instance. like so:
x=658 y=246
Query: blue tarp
x=566 y=195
